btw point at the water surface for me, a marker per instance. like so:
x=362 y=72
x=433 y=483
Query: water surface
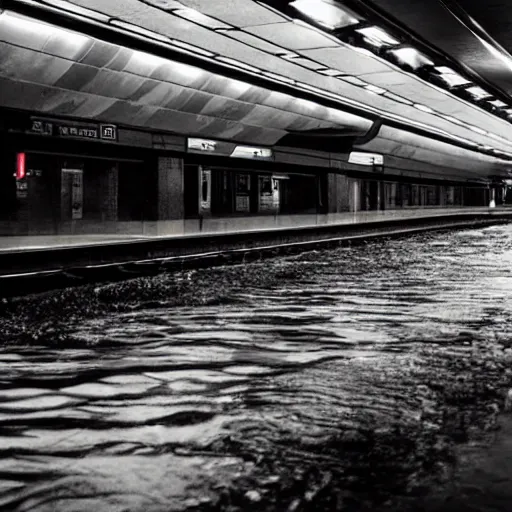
x=333 y=380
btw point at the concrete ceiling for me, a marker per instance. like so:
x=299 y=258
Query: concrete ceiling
x=254 y=41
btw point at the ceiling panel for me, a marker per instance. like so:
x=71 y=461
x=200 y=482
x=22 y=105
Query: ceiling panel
x=236 y=12
x=346 y=60
x=255 y=42
x=292 y=36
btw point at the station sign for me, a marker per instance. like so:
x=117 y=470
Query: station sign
x=62 y=129
x=230 y=149
x=360 y=158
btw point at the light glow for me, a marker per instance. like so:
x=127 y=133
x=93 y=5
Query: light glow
x=325 y=13
x=412 y=57
x=375 y=89
x=331 y=72
x=451 y=78
x=400 y=99
x=424 y=108
x=252 y=153
x=478 y=93
x=201 y=145
x=453 y=120
x=360 y=158
x=354 y=80
x=377 y=37
x=498 y=103
x=200 y=18
x=192 y=48
x=26 y=28
x=477 y=130
x=21 y=169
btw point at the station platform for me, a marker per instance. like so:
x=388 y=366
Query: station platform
x=62 y=260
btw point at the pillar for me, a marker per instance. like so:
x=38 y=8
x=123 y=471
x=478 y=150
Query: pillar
x=338 y=193
x=170 y=188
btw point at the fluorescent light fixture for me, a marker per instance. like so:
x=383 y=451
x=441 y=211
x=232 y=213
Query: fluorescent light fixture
x=330 y=72
x=478 y=92
x=81 y=11
x=377 y=37
x=359 y=158
x=130 y=27
x=397 y=98
x=375 y=89
x=326 y=14
x=453 y=120
x=498 y=103
x=288 y=55
x=450 y=77
x=166 y=5
x=477 y=130
x=354 y=80
x=412 y=57
x=238 y=64
x=279 y=78
x=424 y=108
x=200 y=18
x=252 y=153
x=192 y=48
x=201 y=145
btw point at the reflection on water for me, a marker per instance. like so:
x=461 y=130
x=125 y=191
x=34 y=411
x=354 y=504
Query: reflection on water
x=334 y=380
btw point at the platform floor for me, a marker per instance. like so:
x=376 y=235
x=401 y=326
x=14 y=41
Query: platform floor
x=129 y=232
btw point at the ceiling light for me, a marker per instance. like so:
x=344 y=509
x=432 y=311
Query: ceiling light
x=395 y=97
x=330 y=72
x=238 y=64
x=453 y=120
x=354 y=80
x=200 y=18
x=498 y=103
x=375 y=89
x=412 y=57
x=450 y=77
x=325 y=13
x=477 y=130
x=478 y=93
x=424 y=108
x=377 y=37
x=192 y=48
x=139 y=30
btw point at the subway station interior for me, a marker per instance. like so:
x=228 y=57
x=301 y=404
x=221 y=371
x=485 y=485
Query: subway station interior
x=255 y=255
x=166 y=118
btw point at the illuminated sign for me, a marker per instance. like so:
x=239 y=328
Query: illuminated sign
x=365 y=158
x=251 y=152
x=202 y=145
x=21 y=169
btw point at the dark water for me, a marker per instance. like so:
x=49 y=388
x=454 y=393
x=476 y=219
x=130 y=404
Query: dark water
x=335 y=380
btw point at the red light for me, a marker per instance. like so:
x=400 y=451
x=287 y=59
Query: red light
x=21 y=166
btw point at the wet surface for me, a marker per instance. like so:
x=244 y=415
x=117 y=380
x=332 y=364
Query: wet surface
x=358 y=378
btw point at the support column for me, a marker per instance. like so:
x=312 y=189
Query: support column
x=170 y=188
x=338 y=193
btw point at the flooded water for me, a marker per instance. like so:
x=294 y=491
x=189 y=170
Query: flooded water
x=346 y=379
